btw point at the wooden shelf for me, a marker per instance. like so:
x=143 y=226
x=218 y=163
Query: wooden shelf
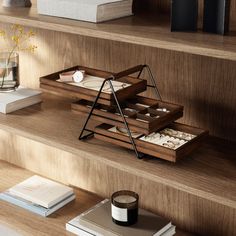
x=140 y=29
x=22 y=222
x=209 y=173
x=26 y=223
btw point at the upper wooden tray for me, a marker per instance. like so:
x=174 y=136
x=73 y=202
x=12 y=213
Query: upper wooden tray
x=188 y=143
x=144 y=115
x=135 y=86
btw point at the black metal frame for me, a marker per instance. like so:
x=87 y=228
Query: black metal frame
x=108 y=80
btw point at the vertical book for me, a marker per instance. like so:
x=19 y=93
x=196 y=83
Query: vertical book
x=184 y=15
x=216 y=16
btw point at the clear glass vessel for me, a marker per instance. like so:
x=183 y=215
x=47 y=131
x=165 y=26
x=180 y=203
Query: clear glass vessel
x=9 y=71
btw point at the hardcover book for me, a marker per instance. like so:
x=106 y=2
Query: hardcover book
x=216 y=16
x=35 y=208
x=21 y=98
x=184 y=15
x=86 y=10
x=98 y=221
x=41 y=191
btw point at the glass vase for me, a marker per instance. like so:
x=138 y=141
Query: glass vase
x=9 y=71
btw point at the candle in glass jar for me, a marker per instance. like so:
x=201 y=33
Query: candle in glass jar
x=124 y=208
x=125 y=199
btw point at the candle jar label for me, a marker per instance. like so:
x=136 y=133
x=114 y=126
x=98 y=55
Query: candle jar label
x=120 y=214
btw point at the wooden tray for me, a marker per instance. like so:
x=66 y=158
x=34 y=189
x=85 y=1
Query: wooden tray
x=50 y=82
x=104 y=133
x=144 y=115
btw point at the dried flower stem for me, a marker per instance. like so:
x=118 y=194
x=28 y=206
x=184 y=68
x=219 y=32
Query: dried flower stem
x=18 y=38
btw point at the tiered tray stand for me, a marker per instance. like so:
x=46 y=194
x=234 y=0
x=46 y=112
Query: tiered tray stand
x=129 y=120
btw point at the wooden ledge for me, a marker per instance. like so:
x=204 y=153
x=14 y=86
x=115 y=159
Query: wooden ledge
x=209 y=173
x=142 y=30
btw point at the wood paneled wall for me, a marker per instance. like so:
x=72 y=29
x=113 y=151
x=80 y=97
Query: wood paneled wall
x=205 y=86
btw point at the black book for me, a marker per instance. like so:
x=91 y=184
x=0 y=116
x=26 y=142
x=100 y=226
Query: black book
x=184 y=15
x=216 y=16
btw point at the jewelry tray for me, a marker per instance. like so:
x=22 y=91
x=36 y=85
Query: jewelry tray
x=102 y=132
x=144 y=115
x=51 y=84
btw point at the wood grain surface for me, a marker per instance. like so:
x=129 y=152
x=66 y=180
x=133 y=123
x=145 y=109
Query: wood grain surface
x=143 y=29
x=24 y=223
x=204 y=86
x=195 y=194
x=195 y=70
x=53 y=124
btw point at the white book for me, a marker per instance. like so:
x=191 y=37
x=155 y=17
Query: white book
x=35 y=208
x=170 y=232
x=21 y=98
x=97 y=221
x=86 y=10
x=41 y=191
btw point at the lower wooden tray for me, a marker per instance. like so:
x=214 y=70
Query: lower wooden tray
x=144 y=115
x=171 y=143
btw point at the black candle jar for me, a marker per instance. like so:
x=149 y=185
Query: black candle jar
x=124 y=207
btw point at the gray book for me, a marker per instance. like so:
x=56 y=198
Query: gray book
x=35 y=208
x=97 y=221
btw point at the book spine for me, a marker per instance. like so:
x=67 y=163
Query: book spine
x=26 y=103
x=93 y=228
x=227 y=16
x=77 y=230
x=34 y=207
x=216 y=16
x=24 y=204
x=60 y=204
x=3 y=108
x=171 y=231
x=184 y=15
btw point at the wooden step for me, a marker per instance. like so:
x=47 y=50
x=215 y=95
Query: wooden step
x=196 y=193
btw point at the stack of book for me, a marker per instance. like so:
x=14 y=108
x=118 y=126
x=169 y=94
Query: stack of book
x=18 y=99
x=39 y=195
x=98 y=221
